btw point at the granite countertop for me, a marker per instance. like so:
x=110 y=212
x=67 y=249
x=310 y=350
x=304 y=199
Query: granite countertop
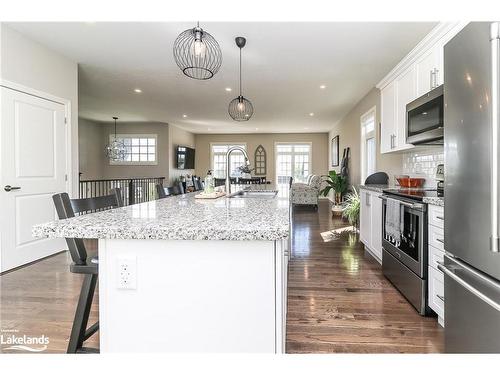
x=375 y=187
x=183 y=217
x=437 y=201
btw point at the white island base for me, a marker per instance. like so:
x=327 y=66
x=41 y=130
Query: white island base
x=192 y=296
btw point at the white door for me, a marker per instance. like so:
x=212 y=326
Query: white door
x=33 y=163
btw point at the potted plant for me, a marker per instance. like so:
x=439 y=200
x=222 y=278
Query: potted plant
x=351 y=208
x=337 y=183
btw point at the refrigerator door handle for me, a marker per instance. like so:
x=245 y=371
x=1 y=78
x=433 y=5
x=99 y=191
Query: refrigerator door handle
x=495 y=88
x=469 y=287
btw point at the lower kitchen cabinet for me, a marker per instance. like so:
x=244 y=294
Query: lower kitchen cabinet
x=370 y=223
x=436 y=254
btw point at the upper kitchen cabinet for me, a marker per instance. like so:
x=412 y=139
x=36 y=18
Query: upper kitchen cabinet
x=418 y=73
x=429 y=70
x=388 y=116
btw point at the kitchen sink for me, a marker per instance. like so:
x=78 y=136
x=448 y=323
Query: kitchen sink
x=254 y=194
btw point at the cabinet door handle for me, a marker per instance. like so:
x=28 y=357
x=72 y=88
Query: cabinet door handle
x=436 y=72
x=368 y=199
x=440 y=217
x=431 y=79
x=440 y=297
x=440 y=240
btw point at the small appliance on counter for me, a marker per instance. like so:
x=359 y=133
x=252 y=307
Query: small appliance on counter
x=440 y=179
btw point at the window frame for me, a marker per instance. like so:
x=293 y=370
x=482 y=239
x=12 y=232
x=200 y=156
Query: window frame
x=136 y=136
x=276 y=155
x=244 y=144
x=364 y=136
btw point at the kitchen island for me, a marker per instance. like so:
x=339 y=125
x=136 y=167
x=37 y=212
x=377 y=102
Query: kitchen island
x=182 y=274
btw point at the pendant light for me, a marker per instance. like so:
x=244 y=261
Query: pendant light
x=240 y=108
x=197 y=53
x=116 y=150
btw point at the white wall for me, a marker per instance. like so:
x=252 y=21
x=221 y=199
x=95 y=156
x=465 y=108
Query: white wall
x=33 y=65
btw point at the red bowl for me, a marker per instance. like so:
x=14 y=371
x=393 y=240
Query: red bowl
x=410 y=182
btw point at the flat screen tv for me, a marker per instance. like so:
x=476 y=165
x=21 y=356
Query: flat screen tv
x=185 y=157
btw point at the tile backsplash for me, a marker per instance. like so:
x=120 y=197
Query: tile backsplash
x=422 y=162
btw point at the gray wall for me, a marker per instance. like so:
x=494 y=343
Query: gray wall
x=319 y=149
x=95 y=165
x=349 y=131
x=178 y=137
x=33 y=65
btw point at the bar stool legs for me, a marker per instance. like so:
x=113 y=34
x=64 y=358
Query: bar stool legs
x=79 y=332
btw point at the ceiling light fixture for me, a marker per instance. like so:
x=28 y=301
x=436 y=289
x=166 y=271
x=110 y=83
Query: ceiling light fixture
x=322 y=87
x=229 y=89
x=197 y=53
x=184 y=116
x=138 y=91
x=240 y=108
x=116 y=149
x=311 y=114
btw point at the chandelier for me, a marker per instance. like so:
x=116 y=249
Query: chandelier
x=197 y=53
x=240 y=108
x=116 y=149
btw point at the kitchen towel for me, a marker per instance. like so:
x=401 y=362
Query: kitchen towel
x=393 y=221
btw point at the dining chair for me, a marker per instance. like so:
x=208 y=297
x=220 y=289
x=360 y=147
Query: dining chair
x=83 y=264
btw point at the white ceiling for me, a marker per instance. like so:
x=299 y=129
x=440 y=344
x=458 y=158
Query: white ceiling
x=283 y=66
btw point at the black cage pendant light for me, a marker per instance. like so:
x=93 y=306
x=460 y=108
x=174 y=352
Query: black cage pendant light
x=240 y=108
x=197 y=53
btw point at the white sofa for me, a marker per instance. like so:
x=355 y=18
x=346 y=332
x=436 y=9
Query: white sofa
x=306 y=193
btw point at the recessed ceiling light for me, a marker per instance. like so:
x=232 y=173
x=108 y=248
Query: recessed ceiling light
x=311 y=114
x=184 y=116
x=322 y=87
x=228 y=89
x=138 y=91
x=256 y=128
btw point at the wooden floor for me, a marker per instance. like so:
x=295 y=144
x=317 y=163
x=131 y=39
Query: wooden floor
x=338 y=300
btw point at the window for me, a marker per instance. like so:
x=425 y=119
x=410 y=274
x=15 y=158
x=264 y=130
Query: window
x=292 y=160
x=368 y=146
x=218 y=158
x=141 y=149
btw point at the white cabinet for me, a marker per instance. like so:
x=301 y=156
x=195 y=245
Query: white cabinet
x=388 y=118
x=418 y=73
x=429 y=70
x=365 y=217
x=436 y=254
x=406 y=92
x=370 y=224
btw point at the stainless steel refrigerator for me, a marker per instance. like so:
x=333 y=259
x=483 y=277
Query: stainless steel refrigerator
x=472 y=157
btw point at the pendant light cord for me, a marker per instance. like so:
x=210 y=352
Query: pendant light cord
x=240 y=71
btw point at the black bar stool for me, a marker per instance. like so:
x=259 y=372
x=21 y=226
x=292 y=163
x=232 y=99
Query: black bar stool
x=83 y=264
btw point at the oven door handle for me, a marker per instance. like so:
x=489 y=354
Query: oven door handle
x=406 y=204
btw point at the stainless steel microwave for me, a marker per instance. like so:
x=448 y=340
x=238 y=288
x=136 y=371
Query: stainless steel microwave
x=424 y=119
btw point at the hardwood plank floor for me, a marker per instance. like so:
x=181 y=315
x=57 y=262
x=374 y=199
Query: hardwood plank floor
x=338 y=300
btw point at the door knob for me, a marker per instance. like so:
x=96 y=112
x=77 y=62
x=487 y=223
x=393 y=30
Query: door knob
x=9 y=188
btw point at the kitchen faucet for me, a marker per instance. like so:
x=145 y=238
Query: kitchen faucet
x=228 y=166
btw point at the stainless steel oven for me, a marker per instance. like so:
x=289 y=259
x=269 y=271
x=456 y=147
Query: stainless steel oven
x=425 y=119
x=404 y=262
